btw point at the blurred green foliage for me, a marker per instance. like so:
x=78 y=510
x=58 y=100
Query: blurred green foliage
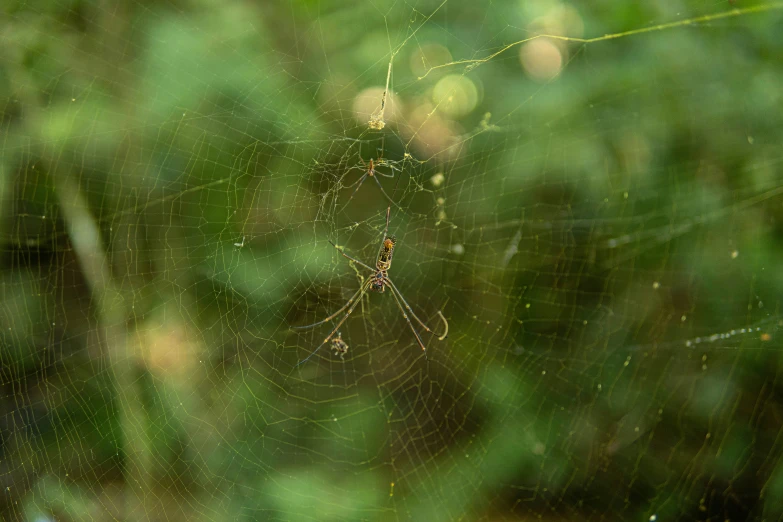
x=604 y=243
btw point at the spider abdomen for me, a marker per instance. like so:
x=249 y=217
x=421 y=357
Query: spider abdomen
x=385 y=255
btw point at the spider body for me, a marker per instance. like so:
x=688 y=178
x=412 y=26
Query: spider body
x=382 y=265
x=385 y=255
x=377 y=282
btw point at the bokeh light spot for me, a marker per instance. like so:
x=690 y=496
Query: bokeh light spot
x=455 y=95
x=541 y=59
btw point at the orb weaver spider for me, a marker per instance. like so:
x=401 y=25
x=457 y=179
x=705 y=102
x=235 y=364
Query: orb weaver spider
x=377 y=282
x=369 y=170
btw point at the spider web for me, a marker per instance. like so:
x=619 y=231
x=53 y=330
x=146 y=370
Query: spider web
x=595 y=212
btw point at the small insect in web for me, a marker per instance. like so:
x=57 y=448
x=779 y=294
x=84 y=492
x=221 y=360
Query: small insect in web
x=339 y=346
x=379 y=281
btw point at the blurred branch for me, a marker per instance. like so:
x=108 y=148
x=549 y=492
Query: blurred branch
x=85 y=237
x=475 y=62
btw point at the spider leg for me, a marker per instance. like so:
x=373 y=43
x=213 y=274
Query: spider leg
x=402 y=311
x=392 y=167
x=397 y=292
x=388 y=214
x=385 y=231
x=368 y=267
x=363 y=289
x=346 y=305
x=383 y=163
x=358 y=186
x=384 y=193
x=358 y=181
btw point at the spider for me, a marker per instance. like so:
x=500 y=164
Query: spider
x=369 y=170
x=339 y=346
x=378 y=282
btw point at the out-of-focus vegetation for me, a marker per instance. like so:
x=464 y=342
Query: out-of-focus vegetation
x=599 y=222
